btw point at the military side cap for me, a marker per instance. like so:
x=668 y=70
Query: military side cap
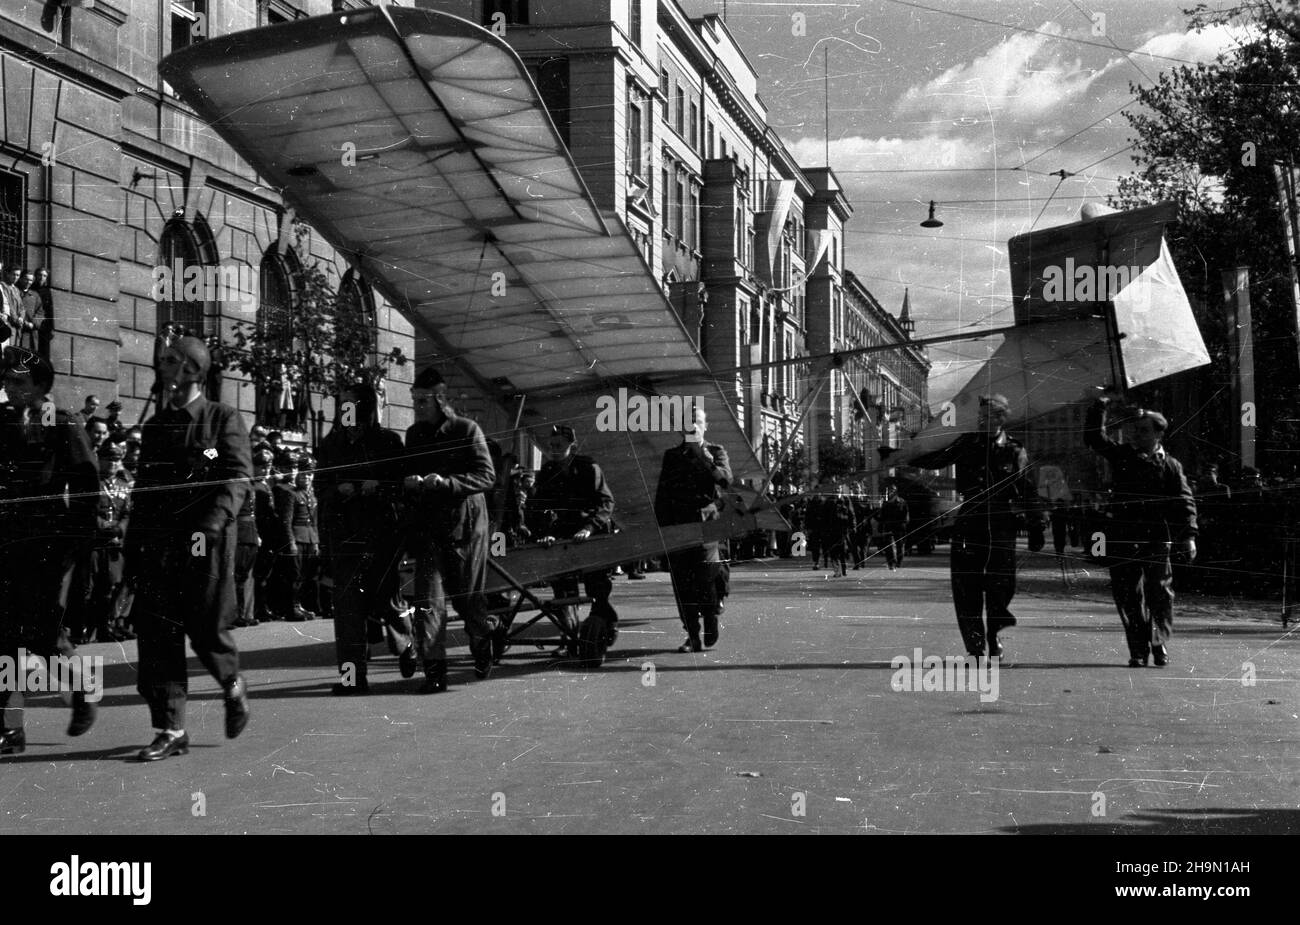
x=1156 y=418
x=996 y=401
x=21 y=360
x=114 y=451
x=565 y=431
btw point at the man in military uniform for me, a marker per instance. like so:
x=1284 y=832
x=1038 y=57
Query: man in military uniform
x=448 y=470
x=359 y=481
x=573 y=501
x=1153 y=508
x=99 y=573
x=272 y=534
x=691 y=479
x=194 y=471
x=993 y=479
x=44 y=456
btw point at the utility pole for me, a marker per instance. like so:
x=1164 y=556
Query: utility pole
x=1241 y=345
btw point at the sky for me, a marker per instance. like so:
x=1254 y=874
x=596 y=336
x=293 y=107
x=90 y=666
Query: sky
x=943 y=100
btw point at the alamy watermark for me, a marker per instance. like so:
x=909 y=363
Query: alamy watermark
x=1084 y=282
x=194 y=283
x=646 y=413
x=948 y=674
x=30 y=673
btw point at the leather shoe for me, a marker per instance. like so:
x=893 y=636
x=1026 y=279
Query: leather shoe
x=711 y=629
x=236 y=707
x=995 y=647
x=13 y=741
x=1160 y=655
x=1136 y=662
x=435 y=678
x=407 y=662
x=164 y=746
x=692 y=644
x=83 y=715
x=481 y=649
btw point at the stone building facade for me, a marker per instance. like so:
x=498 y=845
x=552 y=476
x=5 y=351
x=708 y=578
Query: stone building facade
x=107 y=176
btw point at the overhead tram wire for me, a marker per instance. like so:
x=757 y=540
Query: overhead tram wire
x=1051 y=35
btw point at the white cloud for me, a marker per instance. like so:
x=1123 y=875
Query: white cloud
x=1028 y=74
x=1197 y=46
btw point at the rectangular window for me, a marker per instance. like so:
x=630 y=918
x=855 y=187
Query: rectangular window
x=635 y=160
x=636 y=21
x=665 y=194
x=679 y=207
x=510 y=12
x=708 y=151
x=695 y=127
x=278 y=11
x=693 y=239
x=13 y=218
x=679 y=110
x=664 y=88
x=189 y=22
x=552 y=79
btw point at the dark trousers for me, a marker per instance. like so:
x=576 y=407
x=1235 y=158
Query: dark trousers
x=1141 y=581
x=695 y=585
x=286 y=576
x=180 y=595
x=598 y=587
x=263 y=593
x=95 y=581
x=894 y=543
x=33 y=599
x=446 y=573
x=309 y=579
x=364 y=573
x=245 y=582
x=983 y=577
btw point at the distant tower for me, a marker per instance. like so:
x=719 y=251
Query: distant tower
x=905 y=316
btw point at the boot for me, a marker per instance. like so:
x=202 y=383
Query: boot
x=435 y=677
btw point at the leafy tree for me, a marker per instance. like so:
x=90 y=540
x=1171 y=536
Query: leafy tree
x=837 y=460
x=322 y=343
x=1207 y=139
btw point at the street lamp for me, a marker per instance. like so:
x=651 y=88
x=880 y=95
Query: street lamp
x=931 y=222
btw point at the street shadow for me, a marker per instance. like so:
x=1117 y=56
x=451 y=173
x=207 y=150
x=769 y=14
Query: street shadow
x=1177 y=822
x=122 y=753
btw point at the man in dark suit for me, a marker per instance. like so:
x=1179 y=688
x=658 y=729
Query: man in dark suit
x=49 y=488
x=1153 y=508
x=359 y=484
x=194 y=471
x=993 y=479
x=690 y=481
x=448 y=470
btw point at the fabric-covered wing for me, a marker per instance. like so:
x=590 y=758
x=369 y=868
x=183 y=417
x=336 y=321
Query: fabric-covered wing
x=415 y=142
x=1065 y=279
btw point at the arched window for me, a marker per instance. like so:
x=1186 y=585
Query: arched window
x=358 y=301
x=275 y=303
x=178 y=251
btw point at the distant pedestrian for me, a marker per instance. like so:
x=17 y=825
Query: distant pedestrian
x=893 y=518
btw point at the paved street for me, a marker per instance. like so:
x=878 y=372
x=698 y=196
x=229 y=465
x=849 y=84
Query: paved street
x=795 y=701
